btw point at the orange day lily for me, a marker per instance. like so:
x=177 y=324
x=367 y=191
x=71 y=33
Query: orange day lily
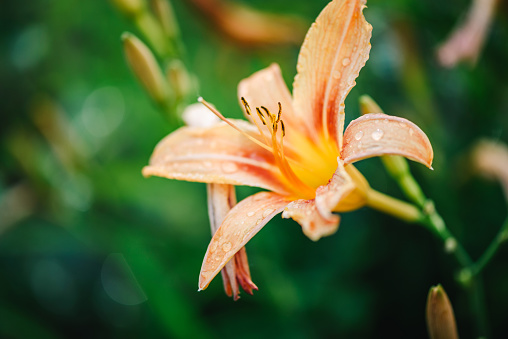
x=293 y=146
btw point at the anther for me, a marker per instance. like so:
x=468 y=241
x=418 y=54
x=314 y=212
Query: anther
x=283 y=129
x=261 y=116
x=246 y=105
x=280 y=112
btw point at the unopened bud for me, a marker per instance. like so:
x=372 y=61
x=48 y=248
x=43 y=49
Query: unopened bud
x=440 y=318
x=145 y=67
x=179 y=78
x=368 y=105
x=130 y=7
x=164 y=13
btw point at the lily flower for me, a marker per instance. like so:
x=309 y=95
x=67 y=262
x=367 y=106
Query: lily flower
x=293 y=146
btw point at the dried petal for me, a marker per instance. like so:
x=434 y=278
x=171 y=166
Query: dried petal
x=217 y=154
x=379 y=134
x=243 y=222
x=333 y=53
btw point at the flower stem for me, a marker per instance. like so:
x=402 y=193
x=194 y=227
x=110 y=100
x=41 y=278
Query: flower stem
x=501 y=237
x=395 y=207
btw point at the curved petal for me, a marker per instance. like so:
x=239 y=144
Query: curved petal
x=221 y=198
x=333 y=53
x=267 y=88
x=241 y=224
x=379 y=134
x=315 y=216
x=218 y=154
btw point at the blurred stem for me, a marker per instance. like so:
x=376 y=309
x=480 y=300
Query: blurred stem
x=501 y=237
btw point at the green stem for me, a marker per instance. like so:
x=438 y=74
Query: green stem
x=501 y=237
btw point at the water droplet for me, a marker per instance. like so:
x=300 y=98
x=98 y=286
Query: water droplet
x=267 y=212
x=359 y=135
x=214 y=246
x=346 y=61
x=360 y=145
x=207 y=164
x=229 y=167
x=336 y=75
x=377 y=134
x=411 y=132
x=250 y=214
x=226 y=246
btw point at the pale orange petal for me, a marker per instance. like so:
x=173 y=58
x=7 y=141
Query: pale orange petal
x=243 y=222
x=218 y=154
x=267 y=88
x=314 y=224
x=315 y=215
x=221 y=199
x=379 y=134
x=333 y=53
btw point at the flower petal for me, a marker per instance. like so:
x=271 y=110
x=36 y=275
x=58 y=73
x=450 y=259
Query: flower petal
x=379 y=134
x=221 y=199
x=333 y=53
x=218 y=154
x=241 y=224
x=315 y=215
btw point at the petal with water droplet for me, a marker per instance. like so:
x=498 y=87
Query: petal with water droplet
x=390 y=135
x=332 y=55
x=217 y=154
x=233 y=235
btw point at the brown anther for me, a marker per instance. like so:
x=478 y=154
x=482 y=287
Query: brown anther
x=246 y=105
x=261 y=116
x=283 y=129
x=280 y=112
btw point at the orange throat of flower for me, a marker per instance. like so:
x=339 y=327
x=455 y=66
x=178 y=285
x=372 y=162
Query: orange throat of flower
x=304 y=165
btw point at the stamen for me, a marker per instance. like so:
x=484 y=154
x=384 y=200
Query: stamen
x=246 y=105
x=282 y=127
x=261 y=116
x=280 y=112
x=217 y=113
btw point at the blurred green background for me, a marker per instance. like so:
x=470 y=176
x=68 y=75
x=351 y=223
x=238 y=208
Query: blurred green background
x=90 y=248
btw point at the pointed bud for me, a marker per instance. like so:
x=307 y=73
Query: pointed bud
x=129 y=7
x=368 y=105
x=440 y=318
x=145 y=67
x=164 y=13
x=179 y=78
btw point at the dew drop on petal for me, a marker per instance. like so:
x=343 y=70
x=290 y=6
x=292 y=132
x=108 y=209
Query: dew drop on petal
x=377 y=134
x=226 y=246
x=267 y=212
x=359 y=135
x=250 y=214
x=346 y=61
x=229 y=167
x=411 y=132
x=336 y=74
x=207 y=164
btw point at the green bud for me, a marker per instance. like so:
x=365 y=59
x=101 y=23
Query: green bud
x=130 y=7
x=440 y=318
x=145 y=67
x=164 y=13
x=179 y=79
x=368 y=105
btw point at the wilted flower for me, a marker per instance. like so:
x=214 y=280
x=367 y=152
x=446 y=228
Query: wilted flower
x=295 y=147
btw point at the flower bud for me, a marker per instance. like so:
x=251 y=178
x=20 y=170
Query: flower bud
x=166 y=17
x=145 y=67
x=129 y=7
x=440 y=318
x=179 y=78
